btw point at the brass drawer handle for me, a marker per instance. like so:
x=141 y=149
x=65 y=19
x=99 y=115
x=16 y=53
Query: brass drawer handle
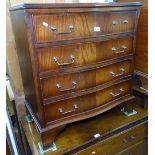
x=114 y=22
x=66 y=112
x=125 y=21
x=142 y=88
x=122 y=49
x=114 y=49
x=74 y=83
x=70 y=27
x=122 y=70
x=71 y=61
x=117 y=94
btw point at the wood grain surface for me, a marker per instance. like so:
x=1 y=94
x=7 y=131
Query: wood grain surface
x=68 y=83
x=118 y=142
x=84 y=25
x=83 y=54
x=141 y=52
x=80 y=135
x=85 y=103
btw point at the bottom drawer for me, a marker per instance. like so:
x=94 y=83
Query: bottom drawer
x=70 y=107
x=118 y=142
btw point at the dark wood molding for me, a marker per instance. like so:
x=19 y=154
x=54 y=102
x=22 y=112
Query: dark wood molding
x=72 y=5
x=34 y=62
x=84 y=40
x=93 y=66
x=22 y=42
x=142 y=74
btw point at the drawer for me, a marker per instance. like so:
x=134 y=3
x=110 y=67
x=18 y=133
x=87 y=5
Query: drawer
x=113 y=92
x=62 y=84
x=51 y=58
x=139 y=148
x=83 y=103
x=67 y=26
x=118 y=142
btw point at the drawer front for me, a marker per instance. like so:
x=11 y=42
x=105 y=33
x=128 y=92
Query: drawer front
x=117 y=143
x=67 y=26
x=73 y=106
x=139 y=148
x=68 y=83
x=112 y=93
x=82 y=54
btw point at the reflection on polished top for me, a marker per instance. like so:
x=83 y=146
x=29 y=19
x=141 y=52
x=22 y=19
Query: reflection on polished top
x=74 y=3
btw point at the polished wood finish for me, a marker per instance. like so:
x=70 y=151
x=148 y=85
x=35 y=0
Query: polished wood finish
x=95 y=100
x=83 y=54
x=25 y=60
x=141 y=52
x=139 y=148
x=80 y=135
x=69 y=83
x=108 y=23
x=62 y=87
x=47 y=138
x=71 y=5
x=118 y=142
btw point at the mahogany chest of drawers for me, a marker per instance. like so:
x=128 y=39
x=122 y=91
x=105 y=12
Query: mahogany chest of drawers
x=76 y=60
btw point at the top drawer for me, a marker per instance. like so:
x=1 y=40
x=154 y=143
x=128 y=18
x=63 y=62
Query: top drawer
x=67 y=26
